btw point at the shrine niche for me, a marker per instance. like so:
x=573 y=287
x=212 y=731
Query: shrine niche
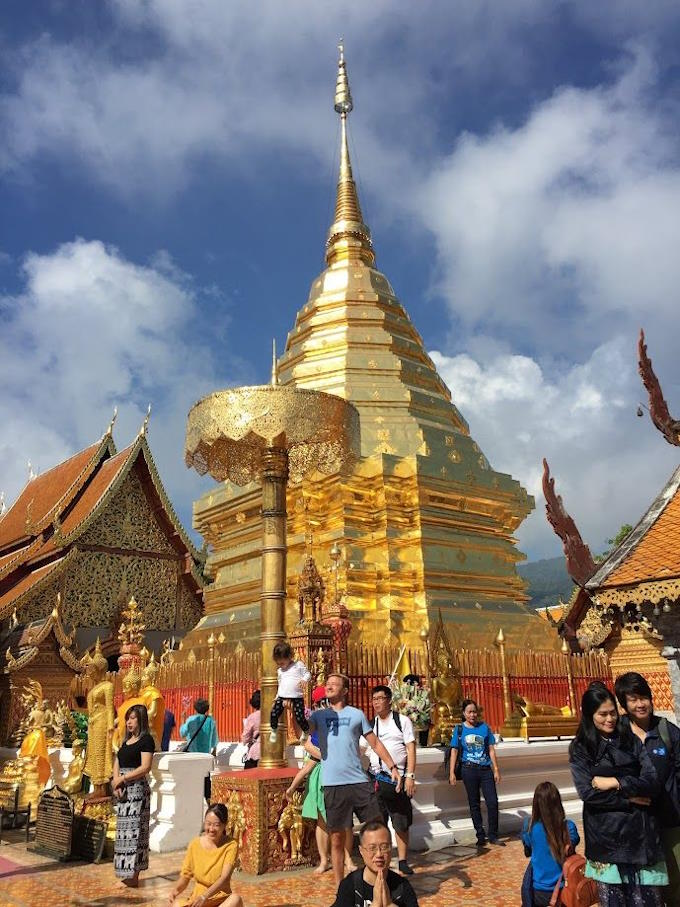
x=95 y=529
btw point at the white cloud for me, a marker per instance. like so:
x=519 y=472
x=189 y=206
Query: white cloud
x=608 y=464
x=92 y=330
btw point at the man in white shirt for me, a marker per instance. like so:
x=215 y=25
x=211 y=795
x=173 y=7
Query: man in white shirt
x=395 y=732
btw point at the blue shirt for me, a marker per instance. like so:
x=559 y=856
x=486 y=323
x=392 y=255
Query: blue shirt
x=476 y=743
x=545 y=867
x=206 y=739
x=339 y=734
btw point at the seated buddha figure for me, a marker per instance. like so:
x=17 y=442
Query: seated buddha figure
x=154 y=701
x=132 y=683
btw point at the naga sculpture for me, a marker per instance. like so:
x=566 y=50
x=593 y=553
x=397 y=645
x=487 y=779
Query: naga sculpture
x=580 y=563
x=658 y=408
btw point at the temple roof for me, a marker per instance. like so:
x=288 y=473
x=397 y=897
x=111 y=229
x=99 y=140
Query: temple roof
x=652 y=550
x=40 y=529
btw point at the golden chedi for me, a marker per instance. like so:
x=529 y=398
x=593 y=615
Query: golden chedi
x=153 y=700
x=132 y=683
x=99 y=761
x=424 y=520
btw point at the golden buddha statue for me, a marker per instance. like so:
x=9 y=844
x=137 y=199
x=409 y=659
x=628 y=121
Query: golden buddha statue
x=153 y=700
x=447 y=696
x=132 y=683
x=73 y=782
x=99 y=761
x=39 y=722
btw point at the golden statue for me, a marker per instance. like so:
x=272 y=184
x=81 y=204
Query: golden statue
x=529 y=709
x=447 y=696
x=291 y=829
x=236 y=822
x=99 y=762
x=40 y=723
x=73 y=782
x=132 y=696
x=153 y=700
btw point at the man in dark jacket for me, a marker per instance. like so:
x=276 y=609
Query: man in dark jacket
x=661 y=739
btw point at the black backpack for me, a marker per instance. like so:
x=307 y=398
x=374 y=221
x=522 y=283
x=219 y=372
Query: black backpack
x=397 y=721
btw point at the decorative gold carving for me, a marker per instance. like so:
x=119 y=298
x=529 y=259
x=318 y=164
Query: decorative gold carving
x=654 y=592
x=291 y=830
x=99 y=765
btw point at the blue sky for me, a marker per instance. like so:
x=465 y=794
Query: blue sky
x=167 y=174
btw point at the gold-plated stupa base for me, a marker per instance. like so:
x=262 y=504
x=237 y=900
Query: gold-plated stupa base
x=256 y=803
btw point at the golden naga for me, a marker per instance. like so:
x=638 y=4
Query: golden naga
x=73 y=783
x=99 y=761
x=153 y=700
x=291 y=830
x=447 y=695
x=132 y=683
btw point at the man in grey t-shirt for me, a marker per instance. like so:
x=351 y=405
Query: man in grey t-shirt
x=346 y=787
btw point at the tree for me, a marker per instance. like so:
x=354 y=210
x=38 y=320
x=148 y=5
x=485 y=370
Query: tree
x=614 y=543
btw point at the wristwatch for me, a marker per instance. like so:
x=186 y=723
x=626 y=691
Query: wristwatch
x=411 y=775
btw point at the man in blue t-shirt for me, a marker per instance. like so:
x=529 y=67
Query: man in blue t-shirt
x=346 y=788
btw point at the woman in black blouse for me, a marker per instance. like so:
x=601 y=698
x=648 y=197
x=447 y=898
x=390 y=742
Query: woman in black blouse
x=131 y=788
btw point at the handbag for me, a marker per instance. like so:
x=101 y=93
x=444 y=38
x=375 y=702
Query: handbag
x=578 y=890
x=184 y=747
x=458 y=767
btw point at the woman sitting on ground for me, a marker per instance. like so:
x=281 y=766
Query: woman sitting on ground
x=548 y=839
x=209 y=861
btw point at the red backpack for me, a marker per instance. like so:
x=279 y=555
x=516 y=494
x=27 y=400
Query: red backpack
x=578 y=891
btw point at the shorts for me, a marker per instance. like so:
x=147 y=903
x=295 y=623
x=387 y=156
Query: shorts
x=395 y=805
x=342 y=800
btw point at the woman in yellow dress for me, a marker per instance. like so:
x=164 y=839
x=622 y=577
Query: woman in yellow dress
x=99 y=761
x=209 y=861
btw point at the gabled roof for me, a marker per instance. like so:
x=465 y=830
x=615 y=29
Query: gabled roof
x=49 y=493
x=62 y=503
x=652 y=550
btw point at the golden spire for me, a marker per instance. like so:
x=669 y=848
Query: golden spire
x=348 y=237
x=275 y=365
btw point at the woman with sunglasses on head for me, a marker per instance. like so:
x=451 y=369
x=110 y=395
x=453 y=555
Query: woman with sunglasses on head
x=131 y=768
x=616 y=780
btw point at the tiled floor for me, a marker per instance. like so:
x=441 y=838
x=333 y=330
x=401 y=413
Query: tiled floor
x=458 y=875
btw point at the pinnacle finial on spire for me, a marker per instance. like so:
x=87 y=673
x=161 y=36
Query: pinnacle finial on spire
x=275 y=365
x=348 y=237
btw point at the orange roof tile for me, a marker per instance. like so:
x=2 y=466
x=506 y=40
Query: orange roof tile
x=90 y=497
x=657 y=554
x=42 y=494
x=10 y=597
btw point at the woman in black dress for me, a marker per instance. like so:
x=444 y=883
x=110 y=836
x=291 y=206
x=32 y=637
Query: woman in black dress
x=131 y=788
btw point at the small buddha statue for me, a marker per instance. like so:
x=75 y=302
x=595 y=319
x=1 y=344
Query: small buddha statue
x=34 y=744
x=99 y=759
x=73 y=782
x=132 y=683
x=447 y=695
x=153 y=700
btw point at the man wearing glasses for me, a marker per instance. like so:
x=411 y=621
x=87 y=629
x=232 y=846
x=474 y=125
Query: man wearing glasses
x=395 y=732
x=375 y=885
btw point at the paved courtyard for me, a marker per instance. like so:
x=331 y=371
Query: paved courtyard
x=457 y=875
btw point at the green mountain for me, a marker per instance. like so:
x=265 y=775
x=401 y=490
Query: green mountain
x=548 y=581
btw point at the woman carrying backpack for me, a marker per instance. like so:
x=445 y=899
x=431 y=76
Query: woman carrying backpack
x=548 y=839
x=616 y=780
